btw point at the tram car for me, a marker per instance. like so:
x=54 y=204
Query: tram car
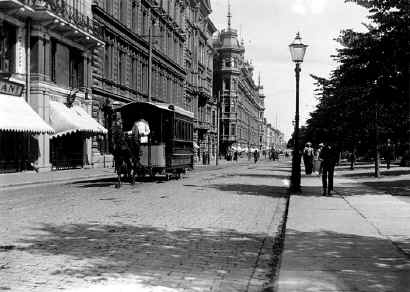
x=165 y=137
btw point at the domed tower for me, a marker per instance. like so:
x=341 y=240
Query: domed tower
x=241 y=105
x=228 y=60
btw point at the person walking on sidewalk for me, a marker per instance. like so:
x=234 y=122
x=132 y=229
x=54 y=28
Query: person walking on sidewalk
x=388 y=153
x=317 y=163
x=329 y=158
x=255 y=156
x=308 y=154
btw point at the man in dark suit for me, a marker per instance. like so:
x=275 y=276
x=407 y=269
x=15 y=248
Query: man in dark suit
x=329 y=157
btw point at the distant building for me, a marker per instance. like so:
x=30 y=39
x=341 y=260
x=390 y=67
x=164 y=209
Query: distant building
x=273 y=138
x=242 y=100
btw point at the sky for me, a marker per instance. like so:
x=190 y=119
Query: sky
x=269 y=26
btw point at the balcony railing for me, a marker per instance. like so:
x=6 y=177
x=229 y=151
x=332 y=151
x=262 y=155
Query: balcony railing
x=203 y=125
x=56 y=11
x=67 y=12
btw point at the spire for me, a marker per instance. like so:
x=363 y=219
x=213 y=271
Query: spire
x=229 y=15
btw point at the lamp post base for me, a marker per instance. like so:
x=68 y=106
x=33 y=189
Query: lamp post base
x=295 y=176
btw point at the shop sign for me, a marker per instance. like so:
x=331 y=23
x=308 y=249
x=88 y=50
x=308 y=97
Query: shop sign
x=10 y=88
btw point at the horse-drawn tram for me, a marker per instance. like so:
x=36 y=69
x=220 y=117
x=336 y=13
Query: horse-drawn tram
x=153 y=138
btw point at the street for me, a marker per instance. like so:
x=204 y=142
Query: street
x=211 y=231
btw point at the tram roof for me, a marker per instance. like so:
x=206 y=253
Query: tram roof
x=162 y=106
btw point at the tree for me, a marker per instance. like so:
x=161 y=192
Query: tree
x=371 y=80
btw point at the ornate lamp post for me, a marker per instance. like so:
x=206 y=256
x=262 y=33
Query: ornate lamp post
x=297 y=51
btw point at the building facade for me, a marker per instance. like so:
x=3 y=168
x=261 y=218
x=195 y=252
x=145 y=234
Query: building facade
x=143 y=58
x=242 y=100
x=273 y=138
x=199 y=96
x=45 y=47
x=155 y=51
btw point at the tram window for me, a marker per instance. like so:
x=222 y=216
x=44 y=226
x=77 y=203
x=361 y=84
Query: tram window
x=185 y=131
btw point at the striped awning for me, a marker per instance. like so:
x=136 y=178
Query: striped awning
x=16 y=115
x=67 y=120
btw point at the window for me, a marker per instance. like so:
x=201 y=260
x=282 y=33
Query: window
x=7 y=41
x=121 y=67
x=107 y=62
x=134 y=17
x=66 y=65
x=144 y=23
x=133 y=73
x=144 y=78
x=227 y=83
x=123 y=11
x=139 y=77
x=226 y=129
x=108 y=6
x=227 y=108
x=213 y=119
x=233 y=130
x=76 y=69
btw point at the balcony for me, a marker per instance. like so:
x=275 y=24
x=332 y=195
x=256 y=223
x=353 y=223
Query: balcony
x=204 y=126
x=228 y=138
x=57 y=16
x=233 y=70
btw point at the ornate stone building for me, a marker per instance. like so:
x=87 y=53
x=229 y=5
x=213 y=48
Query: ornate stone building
x=155 y=50
x=45 y=49
x=242 y=100
x=143 y=58
x=199 y=97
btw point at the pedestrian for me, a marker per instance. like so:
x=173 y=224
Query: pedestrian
x=329 y=157
x=388 y=153
x=308 y=158
x=255 y=155
x=317 y=163
x=235 y=156
x=352 y=159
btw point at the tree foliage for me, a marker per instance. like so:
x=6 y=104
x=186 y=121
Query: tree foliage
x=371 y=82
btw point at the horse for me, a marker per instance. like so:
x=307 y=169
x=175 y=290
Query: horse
x=125 y=160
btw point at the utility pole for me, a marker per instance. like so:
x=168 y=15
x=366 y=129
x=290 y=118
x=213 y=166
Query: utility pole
x=149 y=60
x=296 y=176
x=218 y=104
x=377 y=151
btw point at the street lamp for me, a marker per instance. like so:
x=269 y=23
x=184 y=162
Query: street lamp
x=297 y=51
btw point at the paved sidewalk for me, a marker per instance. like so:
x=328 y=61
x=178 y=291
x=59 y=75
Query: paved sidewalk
x=28 y=178
x=357 y=240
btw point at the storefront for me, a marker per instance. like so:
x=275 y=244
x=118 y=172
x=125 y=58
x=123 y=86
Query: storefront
x=70 y=144
x=19 y=126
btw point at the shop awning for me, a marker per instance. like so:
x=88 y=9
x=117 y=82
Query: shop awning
x=16 y=115
x=66 y=120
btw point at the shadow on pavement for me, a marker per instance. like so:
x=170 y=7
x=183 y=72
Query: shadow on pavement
x=396 y=187
x=258 y=175
x=370 y=173
x=107 y=182
x=252 y=190
x=331 y=261
x=188 y=259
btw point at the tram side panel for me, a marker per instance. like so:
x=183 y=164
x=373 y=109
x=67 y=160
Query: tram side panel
x=181 y=154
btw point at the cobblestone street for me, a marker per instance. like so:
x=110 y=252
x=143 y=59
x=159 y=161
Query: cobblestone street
x=211 y=231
